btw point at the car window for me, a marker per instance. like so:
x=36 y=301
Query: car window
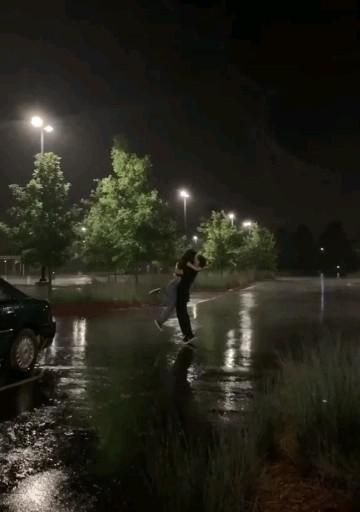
x=4 y=296
x=9 y=292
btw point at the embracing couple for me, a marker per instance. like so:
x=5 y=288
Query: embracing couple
x=178 y=292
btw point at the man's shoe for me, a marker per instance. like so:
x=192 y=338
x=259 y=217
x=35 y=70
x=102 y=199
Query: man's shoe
x=189 y=339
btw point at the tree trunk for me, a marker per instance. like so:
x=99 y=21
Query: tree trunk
x=136 y=277
x=49 y=282
x=43 y=274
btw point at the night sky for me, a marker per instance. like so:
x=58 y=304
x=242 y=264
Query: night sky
x=253 y=108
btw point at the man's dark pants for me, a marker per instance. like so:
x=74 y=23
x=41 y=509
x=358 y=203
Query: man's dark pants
x=182 y=313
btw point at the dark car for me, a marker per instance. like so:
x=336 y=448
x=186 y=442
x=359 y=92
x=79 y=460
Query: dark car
x=26 y=328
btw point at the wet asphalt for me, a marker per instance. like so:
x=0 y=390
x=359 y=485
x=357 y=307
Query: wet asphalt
x=69 y=435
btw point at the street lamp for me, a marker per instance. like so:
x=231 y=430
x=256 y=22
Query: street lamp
x=195 y=239
x=322 y=249
x=232 y=218
x=247 y=224
x=338 y=271
x=38 y=122
x=184 y=194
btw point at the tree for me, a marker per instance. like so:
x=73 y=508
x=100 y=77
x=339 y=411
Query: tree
x=338 y=250
x=41 y=221
x=222 y=241
x=259 y=246
x=305 y=251
x=285 y=249
x=127 y=223
x=230 y=247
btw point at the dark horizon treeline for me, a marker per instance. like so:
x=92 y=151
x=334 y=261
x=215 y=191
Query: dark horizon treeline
x=302 y=253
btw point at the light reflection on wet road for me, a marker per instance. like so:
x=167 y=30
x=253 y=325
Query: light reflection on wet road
x=66 y=439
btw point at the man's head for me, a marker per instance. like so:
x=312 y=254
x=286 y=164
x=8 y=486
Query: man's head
x=201 y=260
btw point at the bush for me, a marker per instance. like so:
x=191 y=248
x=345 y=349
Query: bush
x=319 y=398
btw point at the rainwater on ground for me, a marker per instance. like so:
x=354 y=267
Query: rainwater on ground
x=70 y=433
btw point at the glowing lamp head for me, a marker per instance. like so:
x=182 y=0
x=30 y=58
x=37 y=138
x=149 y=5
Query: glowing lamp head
x=37 y=122
x=184 y=194
x=247 y=224
x=231 y=216
x=49 y=129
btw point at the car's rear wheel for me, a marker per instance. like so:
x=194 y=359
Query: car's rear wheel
x=23 y=351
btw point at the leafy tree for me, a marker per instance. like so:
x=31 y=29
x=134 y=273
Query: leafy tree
x=257 y=249
x=285 y=249
x=6 y=243
x=338 y=249
x=41 y=221
x=305 y=251
x=222 y=241
x=127 y=223
x=231 y=247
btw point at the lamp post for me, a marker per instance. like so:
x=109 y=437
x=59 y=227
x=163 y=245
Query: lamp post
x=232 y=218
x=37 y=122
x=184 y=194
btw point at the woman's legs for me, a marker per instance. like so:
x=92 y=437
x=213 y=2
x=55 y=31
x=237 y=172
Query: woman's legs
x=171 y=294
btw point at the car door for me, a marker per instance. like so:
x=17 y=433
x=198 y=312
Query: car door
x=7 y=315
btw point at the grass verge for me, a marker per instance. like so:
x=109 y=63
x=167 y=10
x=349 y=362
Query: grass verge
x=298 y=446
x=319 y=405
x=126 y=293
x=209 y=473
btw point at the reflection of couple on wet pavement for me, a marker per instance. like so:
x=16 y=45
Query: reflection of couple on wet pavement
x=178 y=292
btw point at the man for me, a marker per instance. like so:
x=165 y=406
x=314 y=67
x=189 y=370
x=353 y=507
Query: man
x=171 y=289
x=183 y=296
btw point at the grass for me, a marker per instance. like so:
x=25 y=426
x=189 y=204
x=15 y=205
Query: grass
x=209 y=472
x=224 y=280
x=319 y=405
x=127 y=293
x=308 y=415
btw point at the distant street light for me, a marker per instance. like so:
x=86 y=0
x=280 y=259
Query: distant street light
x=232 y=218
x=195 y=239
x=247 y=224
x=184 y=194
x=38 y=122
x=83 y=229
x=322 y=249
